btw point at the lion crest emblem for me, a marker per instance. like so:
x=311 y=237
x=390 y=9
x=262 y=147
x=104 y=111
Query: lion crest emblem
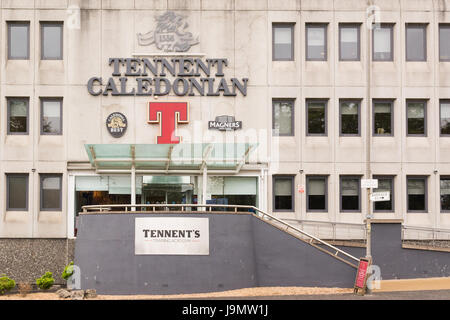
x=170 y=34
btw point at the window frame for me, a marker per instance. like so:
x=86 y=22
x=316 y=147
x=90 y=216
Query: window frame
x=286 y=177
x=307 y=101
x=45 y=99
x=23 y=24
x=324 y=26
x=425 y=118
x=345 y=25
x=416 y=177
x=391 y=102
x=385 y=177
x=440 y=112
x=41 y=194
x=446 y=177
x=280 y=100
x=290 y=25
x=389 y=26
x=445 y=26
x=52 y=23
x=27 y=176
x=423 y=26
x=359 y=118
x=316 y=177
x=8 y=115
x=359 y=193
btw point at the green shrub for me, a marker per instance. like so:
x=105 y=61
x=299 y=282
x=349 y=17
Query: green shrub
x=68 y=271
x=46 y=281
x=6 y=284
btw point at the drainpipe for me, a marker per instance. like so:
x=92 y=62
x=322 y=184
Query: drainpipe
x=368 y=144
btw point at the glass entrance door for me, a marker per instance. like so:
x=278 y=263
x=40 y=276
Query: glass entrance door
x=167 y=190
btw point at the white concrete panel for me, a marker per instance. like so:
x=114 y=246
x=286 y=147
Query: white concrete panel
x=84 y=64
x=217 y=5
x=184 y=4
x=252 y=38
x=250 y=4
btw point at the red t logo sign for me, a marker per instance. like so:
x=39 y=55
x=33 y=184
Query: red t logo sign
x=168 y=115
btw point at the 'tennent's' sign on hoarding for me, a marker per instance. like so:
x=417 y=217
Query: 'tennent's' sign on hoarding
x=171 y=236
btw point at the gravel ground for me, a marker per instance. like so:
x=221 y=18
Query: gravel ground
x=248 y=293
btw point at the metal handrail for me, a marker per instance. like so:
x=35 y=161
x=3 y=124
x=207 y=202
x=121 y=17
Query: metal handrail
x=426 y=229
x=164 y=205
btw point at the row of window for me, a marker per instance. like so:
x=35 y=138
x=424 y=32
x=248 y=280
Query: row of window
x=350 y=117
x=349 y=41
x=350 y=193
x=17 y=192
x=19 y=40
x=19 y=112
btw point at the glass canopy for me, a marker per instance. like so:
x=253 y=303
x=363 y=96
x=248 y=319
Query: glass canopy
x=167 y=157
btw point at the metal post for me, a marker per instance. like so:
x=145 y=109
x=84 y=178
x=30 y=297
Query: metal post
x=133 y=187
x=204 y=185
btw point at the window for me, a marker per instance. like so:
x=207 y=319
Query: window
x=445 y=117
x=445 y=194
x=283 y=193
x=416 y=117
x=350 y=193
x=385 y=184
x=444 y=42
x=316 y=193
x=19 y=40
x=316 y=42
x=316 y=117
x=283 y=117
x=349 y=114
x=383 y=118
x=417 y=194
x=51 y=116
x=17 y=115
x=51 y=40
x=50 y=192
x=16 y=192
x=349 y=42
x=283 y=41
x=416 y=42
x=383 y=43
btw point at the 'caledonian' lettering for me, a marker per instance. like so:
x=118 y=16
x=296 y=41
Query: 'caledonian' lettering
x=190 y=77
x=171 y=233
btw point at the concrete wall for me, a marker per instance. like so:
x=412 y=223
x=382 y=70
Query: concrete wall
x=244 y=252
x=108 y=29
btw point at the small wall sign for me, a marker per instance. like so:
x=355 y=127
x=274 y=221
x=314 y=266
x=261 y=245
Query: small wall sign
x=116 y=124
x=223 y=123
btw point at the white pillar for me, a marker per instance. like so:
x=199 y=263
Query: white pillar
x=133 y=187
x=204 y=183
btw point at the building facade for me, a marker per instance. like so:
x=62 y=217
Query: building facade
x=283 y=105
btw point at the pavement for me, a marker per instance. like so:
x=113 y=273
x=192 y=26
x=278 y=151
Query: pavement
x=398 y=295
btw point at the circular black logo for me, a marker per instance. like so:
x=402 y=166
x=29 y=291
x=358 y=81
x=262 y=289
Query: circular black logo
x=116 y=123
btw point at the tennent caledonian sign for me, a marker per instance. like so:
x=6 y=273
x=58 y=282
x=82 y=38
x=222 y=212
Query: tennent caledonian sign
x=190 y=77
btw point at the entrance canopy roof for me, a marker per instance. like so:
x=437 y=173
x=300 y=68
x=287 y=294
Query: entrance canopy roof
x=169 y=157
